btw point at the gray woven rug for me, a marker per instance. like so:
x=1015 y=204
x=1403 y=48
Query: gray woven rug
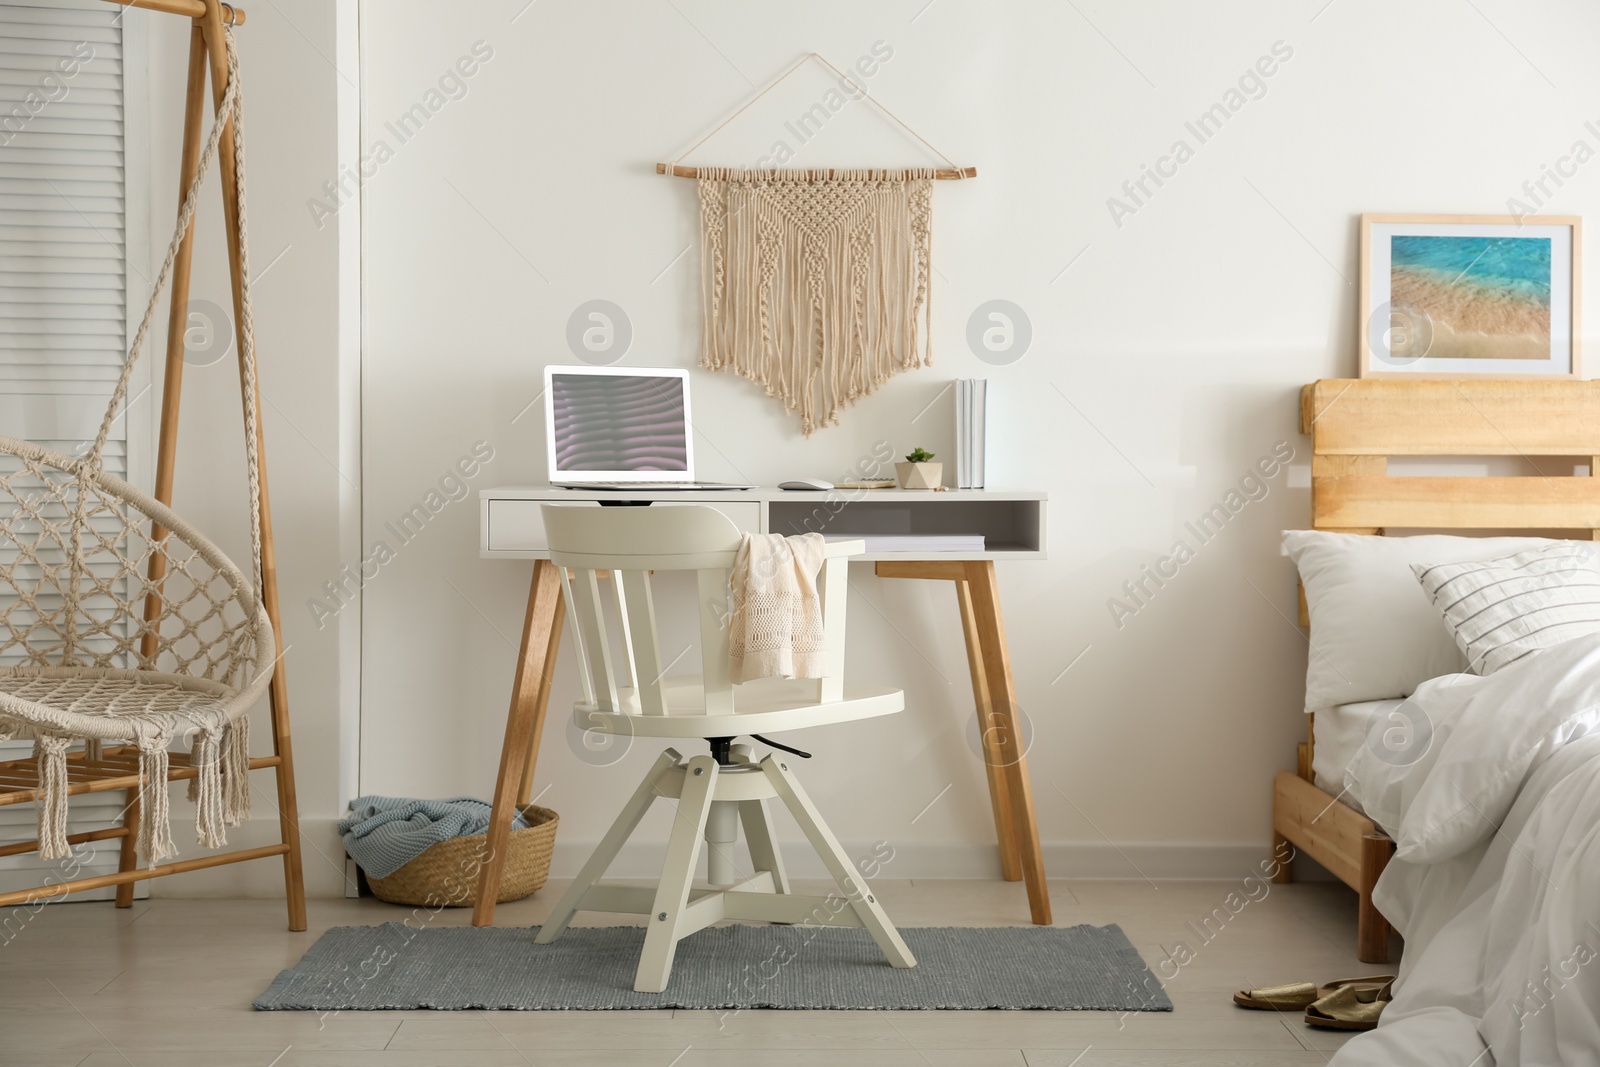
x=393 y=966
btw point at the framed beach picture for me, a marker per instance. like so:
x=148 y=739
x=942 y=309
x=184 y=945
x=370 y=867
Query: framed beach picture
x=1469 y=296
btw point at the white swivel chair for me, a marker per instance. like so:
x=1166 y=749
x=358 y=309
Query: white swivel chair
x=716 y=791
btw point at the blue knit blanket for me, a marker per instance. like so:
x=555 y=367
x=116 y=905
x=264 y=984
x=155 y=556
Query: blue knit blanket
x=383 y=834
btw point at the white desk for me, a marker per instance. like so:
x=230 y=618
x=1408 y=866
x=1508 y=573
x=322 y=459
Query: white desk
x=1012 y=522
x=1013 y=525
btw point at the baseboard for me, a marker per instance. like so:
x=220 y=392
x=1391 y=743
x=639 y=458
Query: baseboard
x=1158 y=861
x=322 y=857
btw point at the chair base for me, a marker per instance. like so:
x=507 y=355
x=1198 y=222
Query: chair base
x=676 y=909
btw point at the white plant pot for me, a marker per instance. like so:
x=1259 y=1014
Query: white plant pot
x=919 y=475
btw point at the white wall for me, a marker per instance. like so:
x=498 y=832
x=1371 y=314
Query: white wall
x=1164 y=361
x=1166 y=356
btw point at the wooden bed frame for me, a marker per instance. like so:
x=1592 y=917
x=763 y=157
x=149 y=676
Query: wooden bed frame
x=1355 y=426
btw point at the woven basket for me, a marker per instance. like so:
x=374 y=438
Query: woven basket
x=447 y=874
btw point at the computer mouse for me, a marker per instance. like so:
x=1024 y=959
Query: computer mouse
x=805 y=483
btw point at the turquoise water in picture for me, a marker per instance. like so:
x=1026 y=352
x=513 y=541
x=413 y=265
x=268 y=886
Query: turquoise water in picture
x=1518 y=267
x=1477 y=297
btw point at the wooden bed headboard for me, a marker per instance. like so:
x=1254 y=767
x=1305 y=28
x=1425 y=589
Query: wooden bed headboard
x=1356 y=425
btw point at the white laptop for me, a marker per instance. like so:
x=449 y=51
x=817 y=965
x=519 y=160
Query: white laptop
x=620 y=428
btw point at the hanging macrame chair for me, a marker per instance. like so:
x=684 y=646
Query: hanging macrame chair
x=121 y=622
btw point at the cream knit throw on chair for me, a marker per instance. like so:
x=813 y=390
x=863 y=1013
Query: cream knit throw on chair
x=815 y=283
x=775 y=628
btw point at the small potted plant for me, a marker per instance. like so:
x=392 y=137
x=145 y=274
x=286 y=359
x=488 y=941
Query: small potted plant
x=918 y=472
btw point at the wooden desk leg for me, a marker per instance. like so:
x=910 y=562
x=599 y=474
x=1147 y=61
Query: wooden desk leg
x=1003 y=712
x=989 y=741
x=524 y=722
x=542 y=700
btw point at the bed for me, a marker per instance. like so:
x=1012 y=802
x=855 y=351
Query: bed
x=1355 y=427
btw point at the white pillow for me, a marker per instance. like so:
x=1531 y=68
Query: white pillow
x=1501 y=610
x=1374 y=635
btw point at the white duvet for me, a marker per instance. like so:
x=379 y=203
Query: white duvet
x=1496 y=877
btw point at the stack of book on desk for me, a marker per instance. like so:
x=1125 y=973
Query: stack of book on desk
x=933 y=544
x=970 y=403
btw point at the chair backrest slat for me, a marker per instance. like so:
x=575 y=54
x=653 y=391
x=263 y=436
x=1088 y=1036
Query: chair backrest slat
x=644 y=642
x=581 y=646
x=713 y=598
x=834 y=585
x=596 y=649
x=624 y=620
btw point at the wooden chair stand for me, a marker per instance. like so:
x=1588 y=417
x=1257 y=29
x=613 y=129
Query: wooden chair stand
x=118 y=768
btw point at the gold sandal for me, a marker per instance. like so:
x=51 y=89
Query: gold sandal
x=1298 y=996
x=1353 y=1006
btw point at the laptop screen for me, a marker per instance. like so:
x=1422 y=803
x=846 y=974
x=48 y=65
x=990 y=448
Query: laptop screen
x=605 y=424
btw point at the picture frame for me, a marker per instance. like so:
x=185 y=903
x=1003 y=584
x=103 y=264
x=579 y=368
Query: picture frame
x=1479 y=296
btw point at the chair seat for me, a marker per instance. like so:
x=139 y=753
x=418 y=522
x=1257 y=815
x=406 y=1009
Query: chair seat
x=108 y=702
x=766 y=705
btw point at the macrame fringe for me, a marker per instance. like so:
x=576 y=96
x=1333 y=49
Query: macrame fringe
x=236 y=772
x=206 y=789
x=50 y=751
x=816 y=284
x=94 y=749
x=155 y=815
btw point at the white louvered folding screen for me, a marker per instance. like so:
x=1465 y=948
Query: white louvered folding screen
x=70 y=209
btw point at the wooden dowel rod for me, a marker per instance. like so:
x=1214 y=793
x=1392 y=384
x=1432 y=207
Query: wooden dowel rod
x=193 y=9
x=944 y=174
x=23 y=847
x=101 y=881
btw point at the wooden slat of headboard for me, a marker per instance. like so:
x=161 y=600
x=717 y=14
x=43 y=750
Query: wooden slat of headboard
x=1388 y=417
x=1458 y=503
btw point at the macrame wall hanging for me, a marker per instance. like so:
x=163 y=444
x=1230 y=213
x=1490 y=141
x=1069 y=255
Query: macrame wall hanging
x=815 y=283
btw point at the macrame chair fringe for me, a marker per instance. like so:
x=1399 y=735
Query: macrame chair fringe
x=155 y=816
x=50 y=752
x=236 y=772
x=95 y=576
x=815 y=284
x=205 y=789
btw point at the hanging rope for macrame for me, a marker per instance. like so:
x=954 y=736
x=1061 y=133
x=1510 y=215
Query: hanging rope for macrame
x=815 y=281
x=748 y=104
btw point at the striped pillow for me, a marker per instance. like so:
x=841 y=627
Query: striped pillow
x=1503 y=609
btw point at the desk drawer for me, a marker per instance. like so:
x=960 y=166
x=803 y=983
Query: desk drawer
x=518 y=525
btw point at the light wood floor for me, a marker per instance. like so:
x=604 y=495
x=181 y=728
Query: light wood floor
x=169 y=983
